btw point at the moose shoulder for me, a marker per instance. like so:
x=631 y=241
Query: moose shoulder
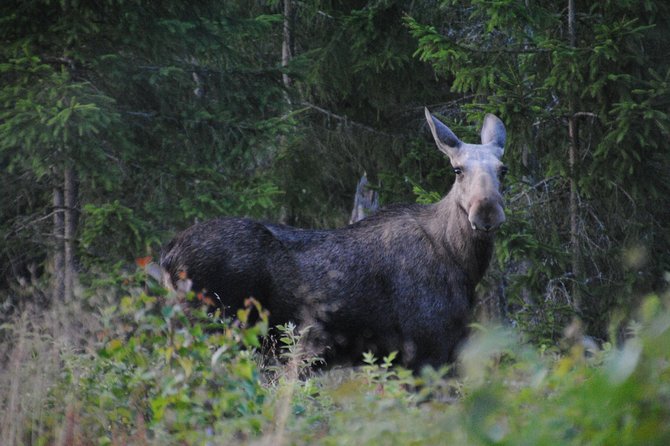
x=402 y=279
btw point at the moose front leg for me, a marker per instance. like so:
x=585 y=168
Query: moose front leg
x=435 y=348
x=433 y=334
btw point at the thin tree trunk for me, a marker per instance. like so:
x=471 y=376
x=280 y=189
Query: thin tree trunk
x=572 y=24
x=573 y=150
x=574 y=208
x=286 y=56
x=70 y=230
x=58 y=284
x=287 y=42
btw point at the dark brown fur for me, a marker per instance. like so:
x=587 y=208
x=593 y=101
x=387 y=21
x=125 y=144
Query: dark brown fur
x=402 y=279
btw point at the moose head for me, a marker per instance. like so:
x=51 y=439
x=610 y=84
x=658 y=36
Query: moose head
x=479 y=171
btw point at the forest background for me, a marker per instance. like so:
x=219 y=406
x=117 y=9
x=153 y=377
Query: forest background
x=123 y=122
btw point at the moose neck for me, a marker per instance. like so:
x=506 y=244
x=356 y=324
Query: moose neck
x=470 y=249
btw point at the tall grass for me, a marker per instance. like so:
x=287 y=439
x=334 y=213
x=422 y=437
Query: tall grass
x=38 y=348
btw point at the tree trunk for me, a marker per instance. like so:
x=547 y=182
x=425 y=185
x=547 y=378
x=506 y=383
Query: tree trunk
x=573 y=156
x=287 y=42
x=286 y=56
x=574 y=209
x=58 y=280
x=70 y=230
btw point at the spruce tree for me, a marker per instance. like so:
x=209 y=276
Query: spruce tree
x=119 y=121
x=583 y=88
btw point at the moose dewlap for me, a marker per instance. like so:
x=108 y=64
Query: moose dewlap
x=400 y=280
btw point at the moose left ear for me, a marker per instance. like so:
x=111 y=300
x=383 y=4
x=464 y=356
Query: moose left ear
x=493 y=131
x=446 y=141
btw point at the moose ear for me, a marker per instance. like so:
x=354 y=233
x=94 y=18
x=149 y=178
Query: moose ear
x=493 y=131
x=445 y=139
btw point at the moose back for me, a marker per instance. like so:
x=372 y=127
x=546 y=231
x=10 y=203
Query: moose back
x=400 y=280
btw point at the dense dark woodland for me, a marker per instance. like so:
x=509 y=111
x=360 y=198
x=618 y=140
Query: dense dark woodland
x=122 y=123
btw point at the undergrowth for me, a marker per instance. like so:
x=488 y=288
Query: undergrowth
x=148 y=369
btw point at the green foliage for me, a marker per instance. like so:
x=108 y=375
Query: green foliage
x=152 y=369
x=49 y=119
x=508 y=393
x=585 y=397
x=358 y=96
x=174 y=113
x=105 y=224
x=254 y=197
x=515 y=59
x=423 y=196
x=292 y=348
x=170 y=110
x=160 y=368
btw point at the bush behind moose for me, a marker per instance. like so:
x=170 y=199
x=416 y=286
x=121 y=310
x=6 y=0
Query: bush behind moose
x=402 y=279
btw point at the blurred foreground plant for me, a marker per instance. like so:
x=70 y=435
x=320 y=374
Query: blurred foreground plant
x=153 y=370
x=162 y=370
x=517 y=395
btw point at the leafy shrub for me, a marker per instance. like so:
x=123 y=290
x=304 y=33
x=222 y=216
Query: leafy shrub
x=153 y=370
x=162 y=368
x=609 y=396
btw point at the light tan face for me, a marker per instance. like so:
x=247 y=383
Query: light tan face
x=479 y=171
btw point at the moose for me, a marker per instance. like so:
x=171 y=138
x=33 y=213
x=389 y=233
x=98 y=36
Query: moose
x=402 y=279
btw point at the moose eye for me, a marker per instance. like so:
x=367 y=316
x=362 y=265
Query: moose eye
x=503 y=171
x=458 y=170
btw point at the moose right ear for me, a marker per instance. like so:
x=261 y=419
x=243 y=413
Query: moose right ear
x=445 y=139
x=493 y=131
